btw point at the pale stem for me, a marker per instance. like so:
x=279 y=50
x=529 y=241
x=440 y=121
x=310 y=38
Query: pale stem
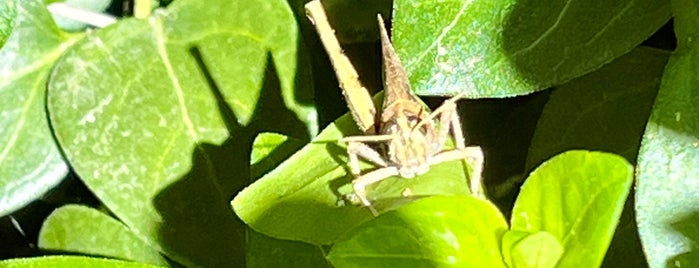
x=95 y=19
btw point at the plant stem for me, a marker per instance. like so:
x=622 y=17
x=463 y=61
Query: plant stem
x=142 y=8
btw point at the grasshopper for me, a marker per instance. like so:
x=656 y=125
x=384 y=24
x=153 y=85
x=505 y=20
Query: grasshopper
x=410 y=137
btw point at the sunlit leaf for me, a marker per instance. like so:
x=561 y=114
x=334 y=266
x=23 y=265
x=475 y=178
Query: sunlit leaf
x=505 y=48
x=30 y=162
x=577 y=197
x=70 y=262
x=304 y=197
x=157 y=117
x=433 y=232
x=83 y=230
x=521 y=249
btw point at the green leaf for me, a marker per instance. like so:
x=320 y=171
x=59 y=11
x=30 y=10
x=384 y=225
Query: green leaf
x=270 y=149
x=83 y=230
x=577 y=197
x=458 y=231
x=521 y=249
x=667 y=206
x=605 y=110
x=70 y=262
x=161 y=131
x=8 y=13
x=30 y=162
x=302 y=199
x=504 y=48
x=263 y=251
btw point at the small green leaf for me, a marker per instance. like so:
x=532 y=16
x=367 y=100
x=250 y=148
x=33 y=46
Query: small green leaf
x=605 y=110
x=83 y=230
x=161 y=131
x=302 y=199
x=577 y=197
x=667 y=194
x=70 y=262
x=440 y=231
x=504 y=48
x=30 y=162
x=521 y=249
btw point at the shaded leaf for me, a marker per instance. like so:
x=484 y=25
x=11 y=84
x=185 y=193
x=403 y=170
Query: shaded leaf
x=355 y=21
x=30 y=162
x=667 y=195
x=458 y=231
x=506 y=48
x=69 y=262
x=83 y=230
x=302 y=199
x=263 y=251
x=605 y=110
x=577 y=197
x=161 y=131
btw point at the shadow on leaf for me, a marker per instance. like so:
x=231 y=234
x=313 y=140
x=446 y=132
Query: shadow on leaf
x=199 y=201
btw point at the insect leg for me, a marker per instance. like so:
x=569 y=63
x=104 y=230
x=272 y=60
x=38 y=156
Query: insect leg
x=357 y=149
x=360 y=184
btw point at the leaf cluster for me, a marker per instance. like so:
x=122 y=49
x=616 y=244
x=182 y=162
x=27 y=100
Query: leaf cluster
x=196 y=132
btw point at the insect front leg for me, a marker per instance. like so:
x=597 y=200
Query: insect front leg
x=449 y=120
x=356 y=149
x=359 y=184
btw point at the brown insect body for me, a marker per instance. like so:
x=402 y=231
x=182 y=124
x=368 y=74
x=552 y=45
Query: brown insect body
x=404 y=116
x=406 y=138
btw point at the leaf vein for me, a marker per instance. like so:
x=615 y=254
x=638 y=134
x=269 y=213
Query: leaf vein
x=157 y=24
x=441 y=36
x=548 y=31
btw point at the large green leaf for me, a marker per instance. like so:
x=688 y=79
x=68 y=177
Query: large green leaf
x=270 y=149
x=30 y=163
x=577 y=197
x=605 y=110
x=505 y=48
x=157 y=117
x=83 y=230
x=302 y=199
x=70 y=262
x=439 y=231
x=667 y=195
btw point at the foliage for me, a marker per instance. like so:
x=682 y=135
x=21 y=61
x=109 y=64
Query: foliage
x=197 y=129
